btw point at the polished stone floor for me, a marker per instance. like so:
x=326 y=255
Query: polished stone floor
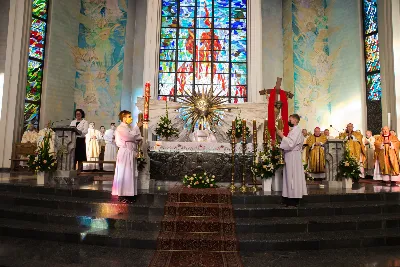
x=37 y=253
x=366 y=186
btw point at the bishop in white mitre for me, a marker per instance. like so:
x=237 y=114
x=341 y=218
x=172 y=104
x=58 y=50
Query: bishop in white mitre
x=111 y=149
x=92 y=147
x=294 y=183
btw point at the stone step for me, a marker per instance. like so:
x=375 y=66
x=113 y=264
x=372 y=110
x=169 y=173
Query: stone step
x=183 y=194
x=80 y=235
x=197 y=241
x=198 y=224
x=275 y=197
x=316 y=209
x=85 y=205
x=318 y=240
x=110 y=220
x=317 y=223
x=199 y=209
x=76 y=191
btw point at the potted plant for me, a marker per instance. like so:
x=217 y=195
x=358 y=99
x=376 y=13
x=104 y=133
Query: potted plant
x=349 y=169
x=43 y=162
x=200 y=180
x=164 y=127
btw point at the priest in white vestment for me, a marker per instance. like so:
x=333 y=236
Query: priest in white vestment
x=127 y=140
x=294 y=183
x=111 y=149
x=92 y=147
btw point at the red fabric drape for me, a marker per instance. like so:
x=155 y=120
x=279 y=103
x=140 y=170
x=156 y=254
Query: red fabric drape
x=271 y=113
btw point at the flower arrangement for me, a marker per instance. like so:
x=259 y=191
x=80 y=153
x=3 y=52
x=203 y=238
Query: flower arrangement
x=349 y=167
x=239 y=129
x=164 y=126
x=43 y=160
x=200 y=180
x=307 y=173
x=268 y=161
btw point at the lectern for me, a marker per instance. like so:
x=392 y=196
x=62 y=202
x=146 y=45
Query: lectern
x=334 y=149
x=65 y=146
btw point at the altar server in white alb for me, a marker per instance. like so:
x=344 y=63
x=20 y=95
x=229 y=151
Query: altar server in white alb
x=110 y=153
x=92 y=147
x=294 y=183
x=127 y=139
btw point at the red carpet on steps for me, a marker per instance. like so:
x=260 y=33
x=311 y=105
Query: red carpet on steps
x=198 y=229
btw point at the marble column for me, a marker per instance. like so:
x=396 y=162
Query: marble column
x=396 y=59
x=151 y=51
x=386 y=61
x=254 y=46
x=12 y=111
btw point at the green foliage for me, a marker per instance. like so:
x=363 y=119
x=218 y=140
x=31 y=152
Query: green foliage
x=349 y=167
x=164 y=126
x=268 y=161
x=200 y=180
x=43 y=160
x=238 y=129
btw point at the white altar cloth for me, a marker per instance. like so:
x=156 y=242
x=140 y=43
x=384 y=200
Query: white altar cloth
x=207 y=147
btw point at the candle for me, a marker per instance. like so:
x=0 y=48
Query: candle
x=389 y=122
x=244 y=130
x=233 y=135
x=140 y=117
x=254 y=131
x=146 y=101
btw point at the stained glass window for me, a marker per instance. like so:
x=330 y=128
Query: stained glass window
x=37 y=41
x=371 y=43
x=203 y=44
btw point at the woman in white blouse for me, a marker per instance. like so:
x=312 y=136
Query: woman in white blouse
x=82 y=125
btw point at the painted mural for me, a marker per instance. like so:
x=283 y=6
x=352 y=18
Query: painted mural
x=99 y=58
x=318 y=51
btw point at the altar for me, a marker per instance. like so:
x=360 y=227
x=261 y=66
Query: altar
x=171 y=161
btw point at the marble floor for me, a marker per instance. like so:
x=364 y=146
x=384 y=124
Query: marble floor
x=366 y=186
x=37 y=253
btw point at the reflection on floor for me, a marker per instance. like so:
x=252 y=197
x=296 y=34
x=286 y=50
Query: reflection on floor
x=37 y=253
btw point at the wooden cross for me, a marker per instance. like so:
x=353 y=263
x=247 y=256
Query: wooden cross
x=278 y=90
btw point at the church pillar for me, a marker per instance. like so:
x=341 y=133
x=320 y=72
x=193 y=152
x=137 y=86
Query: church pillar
x=151 y=51
x=254 y=44
x=11 y=117
x=396 y=60
x=387 y=64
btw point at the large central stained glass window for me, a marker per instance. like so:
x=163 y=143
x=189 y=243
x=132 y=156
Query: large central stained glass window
x=203 y=44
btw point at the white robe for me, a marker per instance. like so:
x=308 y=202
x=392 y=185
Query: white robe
x=125 y=177
x=110 y=153
x=294 y=182
x=92 y=149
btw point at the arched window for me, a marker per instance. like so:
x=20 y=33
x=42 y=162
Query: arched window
x=37 y=43
x=203 y=44
x=372 y=65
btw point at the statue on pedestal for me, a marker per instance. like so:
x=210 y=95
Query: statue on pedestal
x=278 y=112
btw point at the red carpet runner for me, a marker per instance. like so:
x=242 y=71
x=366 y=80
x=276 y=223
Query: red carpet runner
x=198 y=229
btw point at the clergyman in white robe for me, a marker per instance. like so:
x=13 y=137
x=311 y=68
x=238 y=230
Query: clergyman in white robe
x=110 y=153
x=294 y=183
x=125 y=177
x=92 y=148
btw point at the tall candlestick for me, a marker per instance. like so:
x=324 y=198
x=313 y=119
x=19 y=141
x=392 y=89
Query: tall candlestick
x=146 y=101
x=389 y=122
x=265 y=131
x=244 y=131
x=233 y=134
x=254 y=131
